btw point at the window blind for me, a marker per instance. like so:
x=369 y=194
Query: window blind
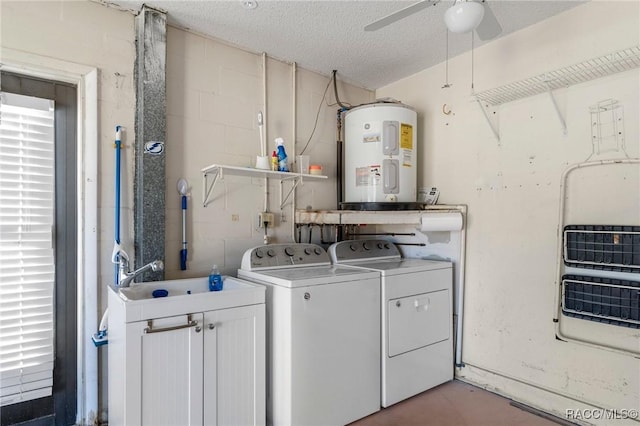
x=27 y=270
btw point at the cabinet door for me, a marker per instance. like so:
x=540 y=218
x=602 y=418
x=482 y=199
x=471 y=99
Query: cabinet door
x=169 y=353
x=234 y=366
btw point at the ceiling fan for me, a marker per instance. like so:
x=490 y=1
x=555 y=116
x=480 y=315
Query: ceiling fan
x=464 y=16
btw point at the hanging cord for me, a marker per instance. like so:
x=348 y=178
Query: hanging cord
x=446 y=63
x=472 y=40
x=315 y=125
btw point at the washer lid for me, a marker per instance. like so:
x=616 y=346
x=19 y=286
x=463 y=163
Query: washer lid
x=303 y=277
x=402 y=266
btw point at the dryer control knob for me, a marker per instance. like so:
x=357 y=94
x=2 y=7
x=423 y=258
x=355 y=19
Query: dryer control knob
x=271 y=253
x=259 y=254
x=307 y=251
x=353 y=247
x=366 y=246
x=387 y=246
x=288 y=251
x=317 y=251
x=380 y=246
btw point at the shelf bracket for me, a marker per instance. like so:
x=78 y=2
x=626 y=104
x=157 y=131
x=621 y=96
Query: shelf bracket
x=486 y=116
x=563 y=123
x=207 y=187
x=296 y=180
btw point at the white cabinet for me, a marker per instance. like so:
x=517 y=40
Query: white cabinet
x=234 y=366
x=202 y=368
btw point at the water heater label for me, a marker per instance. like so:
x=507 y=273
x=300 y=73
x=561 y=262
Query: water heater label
x=368 y=175
x=406 y=158
x=406 y=136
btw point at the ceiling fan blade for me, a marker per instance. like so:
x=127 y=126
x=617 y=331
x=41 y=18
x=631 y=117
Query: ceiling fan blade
x=400 y=14
x=489 y=27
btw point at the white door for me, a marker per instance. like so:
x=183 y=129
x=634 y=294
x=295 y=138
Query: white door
x=170 y=357
x=418 y=320
x=234 y=366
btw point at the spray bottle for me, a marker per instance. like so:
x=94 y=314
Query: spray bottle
x=282 y=156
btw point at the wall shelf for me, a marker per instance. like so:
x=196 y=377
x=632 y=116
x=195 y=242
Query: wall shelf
x=591 y=69
x=369 y=217
x=213 y=173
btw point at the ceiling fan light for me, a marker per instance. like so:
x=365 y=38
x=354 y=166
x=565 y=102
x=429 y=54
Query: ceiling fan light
x=464 y=16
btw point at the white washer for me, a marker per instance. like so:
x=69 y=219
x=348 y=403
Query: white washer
x=323 y=335
x=417 y=322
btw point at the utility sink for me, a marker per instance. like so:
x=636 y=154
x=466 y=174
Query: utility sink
x=185 y=296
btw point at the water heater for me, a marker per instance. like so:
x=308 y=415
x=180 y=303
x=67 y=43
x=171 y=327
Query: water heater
x=380 y=154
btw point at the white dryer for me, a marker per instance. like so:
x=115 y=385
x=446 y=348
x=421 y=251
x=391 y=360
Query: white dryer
x=417 y=321
x=323 y=335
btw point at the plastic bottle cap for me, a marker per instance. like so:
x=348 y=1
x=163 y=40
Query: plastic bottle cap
x=160 y=293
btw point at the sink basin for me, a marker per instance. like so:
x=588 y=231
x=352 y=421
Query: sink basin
x=179 y=288
x=185 y=296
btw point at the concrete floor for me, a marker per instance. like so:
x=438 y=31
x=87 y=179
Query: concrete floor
x=455 y=404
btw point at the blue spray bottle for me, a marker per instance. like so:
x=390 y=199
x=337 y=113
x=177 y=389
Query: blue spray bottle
x=282 y=156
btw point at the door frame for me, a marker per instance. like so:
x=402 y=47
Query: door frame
x=85 y=78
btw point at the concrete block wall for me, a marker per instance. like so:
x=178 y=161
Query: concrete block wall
x=214 y=93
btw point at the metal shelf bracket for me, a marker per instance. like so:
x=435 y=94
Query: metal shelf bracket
x=563 y=122
x=486 y=116
x=209 y=180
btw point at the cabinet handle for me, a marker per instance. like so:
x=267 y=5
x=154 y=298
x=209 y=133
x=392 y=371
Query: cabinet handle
x=150 y=329
x=212 y=326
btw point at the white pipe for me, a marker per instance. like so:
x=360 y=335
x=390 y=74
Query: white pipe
x=559 y=256
x=294 y=69
x=264 y=140
x=459 y=293
x=265 y=117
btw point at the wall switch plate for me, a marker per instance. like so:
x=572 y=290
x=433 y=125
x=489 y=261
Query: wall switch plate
x=265 y=218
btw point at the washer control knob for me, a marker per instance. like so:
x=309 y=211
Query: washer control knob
x=366 y=246
x=387 y=246
x=353 y=247
x=317 y=251
x=380 y=246
x=271 y=253
x=307 y=251
x=259 y=254
x=288 y=251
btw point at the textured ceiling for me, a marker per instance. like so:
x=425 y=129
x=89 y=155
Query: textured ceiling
x=326 y=35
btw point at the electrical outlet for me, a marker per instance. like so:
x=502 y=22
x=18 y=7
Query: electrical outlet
x=265 y=218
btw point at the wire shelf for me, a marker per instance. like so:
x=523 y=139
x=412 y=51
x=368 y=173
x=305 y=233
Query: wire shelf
x=605 y=247
x=622 y=60
x=610 y=301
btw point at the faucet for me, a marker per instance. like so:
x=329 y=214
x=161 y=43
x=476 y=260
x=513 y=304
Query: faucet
x=126 y=276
